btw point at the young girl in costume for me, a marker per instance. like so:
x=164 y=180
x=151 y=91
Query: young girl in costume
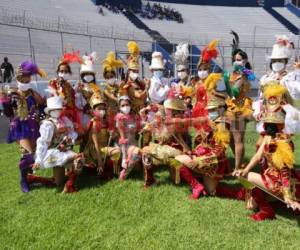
x=54 y=146
x=22 y=106
x=275 y=154
x=128 y=125
x=97 y=150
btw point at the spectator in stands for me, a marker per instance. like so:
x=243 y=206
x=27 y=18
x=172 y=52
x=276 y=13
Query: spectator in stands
x=7 y=70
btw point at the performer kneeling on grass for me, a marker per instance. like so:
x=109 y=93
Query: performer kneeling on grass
x=276 y=156
x=97 y=150
x=57 y=136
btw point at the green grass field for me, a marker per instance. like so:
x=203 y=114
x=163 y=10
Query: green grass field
x=116 y=215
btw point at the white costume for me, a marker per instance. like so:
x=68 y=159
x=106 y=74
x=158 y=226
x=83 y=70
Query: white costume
x=53 y=132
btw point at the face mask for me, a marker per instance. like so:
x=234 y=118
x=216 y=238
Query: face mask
x=182 y=75
x=88 y=78
x=99 y=113
x=55 y=113
x=111 y=81
x=125 y=110
x=277 y=66
x=133 y=76
x=213 y=115
x=158 y=74
x=238 y=63
x=24 y=86
x=202 y=74
x=65 y=76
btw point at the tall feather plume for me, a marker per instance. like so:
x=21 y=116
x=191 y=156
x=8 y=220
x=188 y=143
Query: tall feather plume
x=182 y=54
x=111 y=63
x=133 y=48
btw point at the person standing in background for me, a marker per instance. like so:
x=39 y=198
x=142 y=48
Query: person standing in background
x=7 y=70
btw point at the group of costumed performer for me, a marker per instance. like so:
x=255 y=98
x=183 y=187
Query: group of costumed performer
x=128 y=121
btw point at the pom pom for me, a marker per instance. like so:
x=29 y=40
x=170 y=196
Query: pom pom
x=222 y=135
x=110 y=63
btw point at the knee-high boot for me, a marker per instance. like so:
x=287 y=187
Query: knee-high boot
x=70 y=184
x=197 y=188
x=25 y=167
x=265 y=209
x=229 y=192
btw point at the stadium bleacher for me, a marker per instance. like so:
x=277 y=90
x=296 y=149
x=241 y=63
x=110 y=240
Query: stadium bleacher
x=256 y=27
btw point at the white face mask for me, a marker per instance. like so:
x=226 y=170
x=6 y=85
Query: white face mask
x=88 y=78
x=125 y=110
x=277 y=66
x=55 y=113
x=24 y=86
x=238 y=63
x=133 y=76
x=182 y=75
x=202 y=74
x=65 y=76
x=99 y=113
x=111 y=81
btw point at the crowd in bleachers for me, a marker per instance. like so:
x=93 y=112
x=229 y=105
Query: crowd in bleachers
x=149 y=11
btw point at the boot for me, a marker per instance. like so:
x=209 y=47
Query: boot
x=25 y=167
x=149 y=179
x=70 y=184
x=197 y=188
x=229 y=192
x=49 y=182
x=265 y=209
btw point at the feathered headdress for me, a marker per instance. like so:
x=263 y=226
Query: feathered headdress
x=110 y=63
x=274 y=90
x=133 y=58
x=209 y=52
x=89 y=62
x=181 y=56
x=282 y=48
x=211 y=81
x=71 y=57
x=28 y=68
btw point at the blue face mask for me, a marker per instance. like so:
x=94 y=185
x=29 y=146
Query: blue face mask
x=158 y=74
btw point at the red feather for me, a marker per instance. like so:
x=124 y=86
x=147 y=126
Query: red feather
x=72 y=57
x=208 y=54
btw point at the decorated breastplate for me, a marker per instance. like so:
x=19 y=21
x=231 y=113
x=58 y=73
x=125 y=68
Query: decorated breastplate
x=61 y=130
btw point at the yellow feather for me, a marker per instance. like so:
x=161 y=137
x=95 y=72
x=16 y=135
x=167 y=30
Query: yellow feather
x=222 y=135
x=283 y=156
x=42 y=73
x=133 y=48
x=110 y=62
x=274 y=90
x=213 y=44
x=211 y=81
x=186 y=91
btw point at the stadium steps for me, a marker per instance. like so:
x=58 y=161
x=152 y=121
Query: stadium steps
x=280 y=18
x=137 y=22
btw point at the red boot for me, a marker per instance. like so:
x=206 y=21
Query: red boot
x=229 y=192
x=70 y=184
x=197 y=189
x=265 y=210
x=149 y=179
x=38 y=179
